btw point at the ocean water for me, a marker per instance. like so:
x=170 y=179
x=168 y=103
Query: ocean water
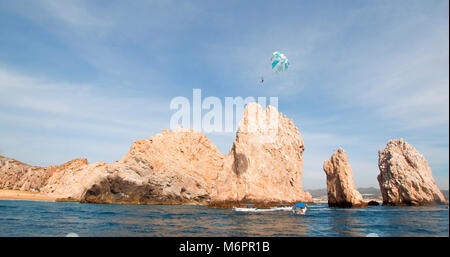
x=33 y=218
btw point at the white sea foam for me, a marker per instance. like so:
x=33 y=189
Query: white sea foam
x=262 y=210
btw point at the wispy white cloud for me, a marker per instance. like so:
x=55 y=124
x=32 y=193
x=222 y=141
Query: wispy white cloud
x=40 y=149
x=74 y=13
x=405 y=81
x=76 y=110
x=84 y=100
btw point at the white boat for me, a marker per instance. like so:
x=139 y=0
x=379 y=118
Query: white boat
x=244 y=209
x=285 y=208
x=299 y=208
x=253 y=209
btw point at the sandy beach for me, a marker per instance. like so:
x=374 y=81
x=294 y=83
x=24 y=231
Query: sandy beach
x=22 y=195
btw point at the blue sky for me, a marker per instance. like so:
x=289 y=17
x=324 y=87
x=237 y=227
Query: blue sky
x=87 y=78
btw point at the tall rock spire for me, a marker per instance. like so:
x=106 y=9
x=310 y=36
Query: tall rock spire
x=265 y=163
x=340 y=186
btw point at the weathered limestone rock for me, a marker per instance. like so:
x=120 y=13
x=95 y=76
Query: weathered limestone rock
x=265 y=163
x=71 y=183
x=12 y=173
x=171 y=167
x=341 y=188
x=405 y=177
x=20 y=176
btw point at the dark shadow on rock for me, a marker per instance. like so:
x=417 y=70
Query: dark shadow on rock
x=114 y=189
x=373 y=203
x=240 y=164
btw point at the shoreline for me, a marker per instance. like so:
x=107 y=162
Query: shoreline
x=24 y=195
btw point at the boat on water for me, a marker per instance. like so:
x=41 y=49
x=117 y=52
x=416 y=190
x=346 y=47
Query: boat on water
x=285 y=208
x=245 y=208
x=252 y=208
x=299 y=208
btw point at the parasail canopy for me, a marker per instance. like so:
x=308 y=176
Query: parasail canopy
x=279 y=62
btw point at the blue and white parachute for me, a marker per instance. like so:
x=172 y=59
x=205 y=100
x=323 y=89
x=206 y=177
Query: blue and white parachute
x=279 y=62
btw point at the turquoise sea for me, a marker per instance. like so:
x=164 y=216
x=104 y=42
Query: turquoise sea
x=34 y=218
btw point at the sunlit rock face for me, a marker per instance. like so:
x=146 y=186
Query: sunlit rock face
x=340 y=186
x=265 y=163
x=405 y=177
x=177 y=166
x=20 y=176
x=172 y=167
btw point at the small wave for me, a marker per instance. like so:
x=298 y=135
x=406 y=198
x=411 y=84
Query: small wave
x=107 y=213
x=7 y=207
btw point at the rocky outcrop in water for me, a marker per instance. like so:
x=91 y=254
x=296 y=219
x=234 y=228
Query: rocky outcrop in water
x=405 y=177
x=265 y=163
x=340 y=186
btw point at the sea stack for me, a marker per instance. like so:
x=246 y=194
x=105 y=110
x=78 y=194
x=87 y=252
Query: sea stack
x=340 y=186
x=405 y=177
x=265 y=162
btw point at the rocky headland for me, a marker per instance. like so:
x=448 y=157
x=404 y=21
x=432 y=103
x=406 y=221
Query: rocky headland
x=181 y=166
